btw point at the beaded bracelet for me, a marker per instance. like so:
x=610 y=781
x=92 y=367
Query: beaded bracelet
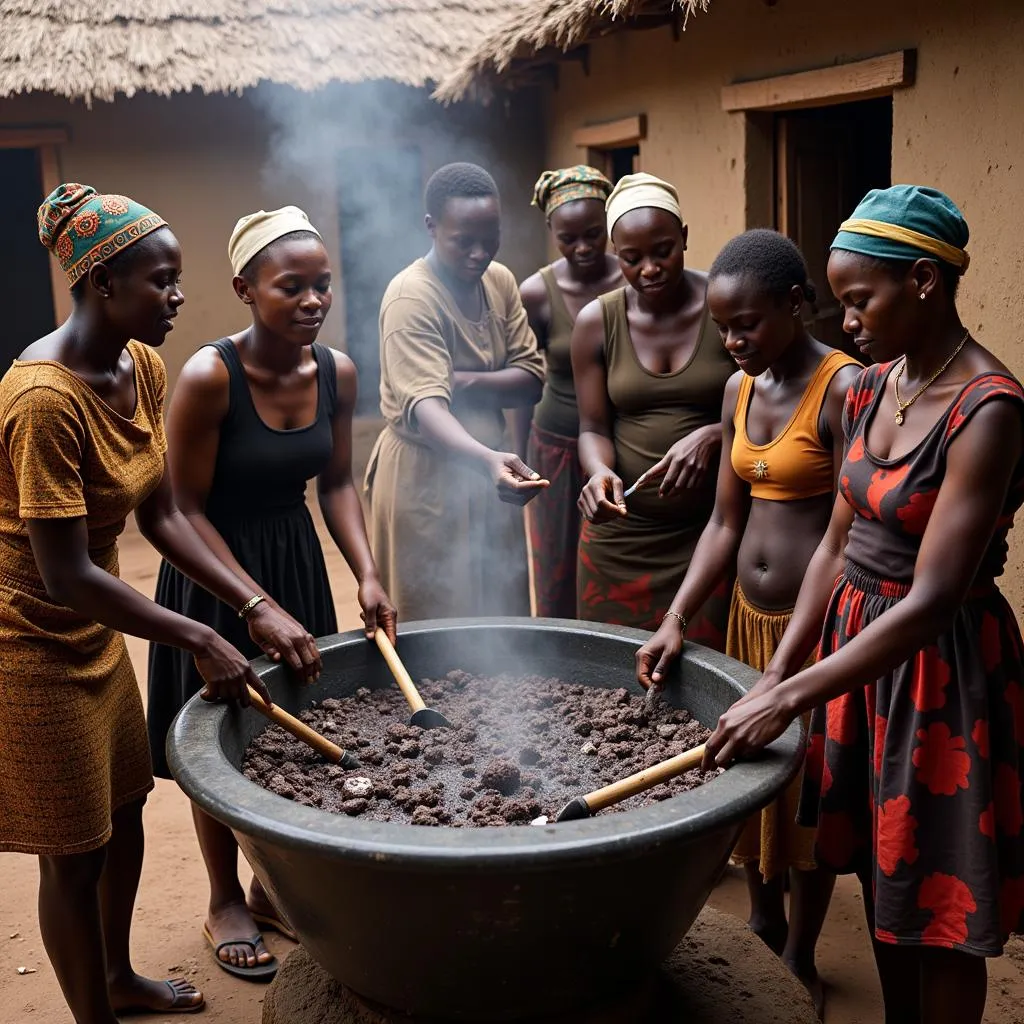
x=243 y=612
x=676 y=615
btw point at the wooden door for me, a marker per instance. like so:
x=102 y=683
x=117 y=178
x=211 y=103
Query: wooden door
x=826 y=160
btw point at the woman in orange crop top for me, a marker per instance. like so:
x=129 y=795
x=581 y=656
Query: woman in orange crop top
x=782 y=422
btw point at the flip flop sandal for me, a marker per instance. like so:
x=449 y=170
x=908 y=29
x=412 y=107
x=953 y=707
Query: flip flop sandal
x=173 y=1008
x=258 y=972
x=275 y=924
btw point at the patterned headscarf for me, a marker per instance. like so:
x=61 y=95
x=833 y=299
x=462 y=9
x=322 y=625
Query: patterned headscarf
x=556 y=188
x=907 y=222
x=81 y=227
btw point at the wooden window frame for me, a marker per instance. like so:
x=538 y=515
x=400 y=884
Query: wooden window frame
x=821 y=87
x=47 y=141
x=597 y=139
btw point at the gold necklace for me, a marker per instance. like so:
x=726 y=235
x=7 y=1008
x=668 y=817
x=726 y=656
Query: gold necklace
x=902 y=407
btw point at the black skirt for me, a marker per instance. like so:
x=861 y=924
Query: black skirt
x=281 y=551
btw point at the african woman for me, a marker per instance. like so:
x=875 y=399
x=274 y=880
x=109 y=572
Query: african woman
x=254 y=417
x=913 y=773
x=572 y=200
x=782 y=422
x=650 y=373
x=456 y=351
x=82 y=446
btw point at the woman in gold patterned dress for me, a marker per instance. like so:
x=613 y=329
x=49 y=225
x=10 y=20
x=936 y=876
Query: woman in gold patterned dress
x=81 y=446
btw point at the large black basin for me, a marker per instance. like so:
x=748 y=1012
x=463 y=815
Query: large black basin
x=494 y=923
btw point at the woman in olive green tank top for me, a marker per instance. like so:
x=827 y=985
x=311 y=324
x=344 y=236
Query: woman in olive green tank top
x=573 y=202
x=650 y=374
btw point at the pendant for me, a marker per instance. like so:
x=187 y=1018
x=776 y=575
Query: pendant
x=899 y=417
x=760 y=470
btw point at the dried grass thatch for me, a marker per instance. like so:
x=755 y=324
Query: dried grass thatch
x=96 y=49
x=546 y=29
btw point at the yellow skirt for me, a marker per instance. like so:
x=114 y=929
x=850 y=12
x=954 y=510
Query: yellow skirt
x=772 y=840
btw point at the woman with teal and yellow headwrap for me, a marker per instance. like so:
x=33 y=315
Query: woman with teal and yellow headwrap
x=572 y=200
x=914 y=767
x=82 y=445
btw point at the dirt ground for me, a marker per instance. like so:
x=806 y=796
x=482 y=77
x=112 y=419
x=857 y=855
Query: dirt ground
x=172 y=901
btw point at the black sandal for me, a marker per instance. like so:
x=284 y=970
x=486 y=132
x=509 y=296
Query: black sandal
x=258 y=972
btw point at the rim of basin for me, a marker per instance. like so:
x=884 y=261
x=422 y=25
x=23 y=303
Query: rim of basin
x=203 y=771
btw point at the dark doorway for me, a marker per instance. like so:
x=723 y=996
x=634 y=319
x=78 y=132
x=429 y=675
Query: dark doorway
x=826 y=159
x=381 y=210
x=26 y=293
x=614 y=162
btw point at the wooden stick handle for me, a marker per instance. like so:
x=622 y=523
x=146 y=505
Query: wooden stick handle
x=648 y=778
x=404 y=680
x=331 y=751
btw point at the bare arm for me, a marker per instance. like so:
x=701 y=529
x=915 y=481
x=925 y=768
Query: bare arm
x=515 y=482
x=601 y=498
x=343 y=511
x=538 y=315
x=832 y=413
x=61 y=550
x=714 y=554
x=979 y=465
x=826 y=565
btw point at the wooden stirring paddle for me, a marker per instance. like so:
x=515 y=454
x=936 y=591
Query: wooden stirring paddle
x=321 y=744
x=590 y=803
x=424 y=717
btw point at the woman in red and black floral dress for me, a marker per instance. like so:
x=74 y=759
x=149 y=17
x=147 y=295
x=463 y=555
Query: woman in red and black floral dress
x=914 y=765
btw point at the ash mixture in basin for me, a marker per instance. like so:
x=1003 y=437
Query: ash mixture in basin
x=519 y=748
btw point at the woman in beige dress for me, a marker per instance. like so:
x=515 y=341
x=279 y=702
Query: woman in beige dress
x=456 y=351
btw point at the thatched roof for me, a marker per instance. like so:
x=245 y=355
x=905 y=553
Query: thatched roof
x=95 y=49
x=547 y=30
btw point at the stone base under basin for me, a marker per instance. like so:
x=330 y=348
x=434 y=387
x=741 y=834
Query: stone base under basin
x=719 y=974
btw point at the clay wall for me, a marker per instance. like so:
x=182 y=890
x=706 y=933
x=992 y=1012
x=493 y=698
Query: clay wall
x=203 y=161
x=957 y=128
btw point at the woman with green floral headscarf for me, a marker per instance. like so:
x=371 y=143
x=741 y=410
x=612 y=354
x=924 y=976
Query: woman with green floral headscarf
x=572 y=200
x=913 y=773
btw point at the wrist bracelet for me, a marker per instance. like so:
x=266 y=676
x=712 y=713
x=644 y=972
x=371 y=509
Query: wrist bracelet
x=676 y=615
x=243 y=612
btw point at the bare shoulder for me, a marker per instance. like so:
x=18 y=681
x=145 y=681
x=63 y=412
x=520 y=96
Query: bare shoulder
x=204 y=372
x=731 y=395
x=591 y=317
x=343 y=365
x=203 y=387
x=843 y=379
x=345 y=369
x=533 y=290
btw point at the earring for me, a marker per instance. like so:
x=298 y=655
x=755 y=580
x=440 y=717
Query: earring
x=922 y=296
x=796 y=314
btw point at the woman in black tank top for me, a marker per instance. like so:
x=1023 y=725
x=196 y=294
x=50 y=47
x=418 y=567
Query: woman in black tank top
x=254 y=417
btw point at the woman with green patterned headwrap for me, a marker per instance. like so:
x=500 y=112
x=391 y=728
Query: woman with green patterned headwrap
x=82 y=445
x=916 y=748
x=572 y=200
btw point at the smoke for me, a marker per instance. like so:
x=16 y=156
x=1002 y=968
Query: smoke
x=357 y=157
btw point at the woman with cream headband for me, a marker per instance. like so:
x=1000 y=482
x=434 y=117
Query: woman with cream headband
x=254 y=417
x=914 y=770
x=650 y=374
x=572 y=200
x=82 y=445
